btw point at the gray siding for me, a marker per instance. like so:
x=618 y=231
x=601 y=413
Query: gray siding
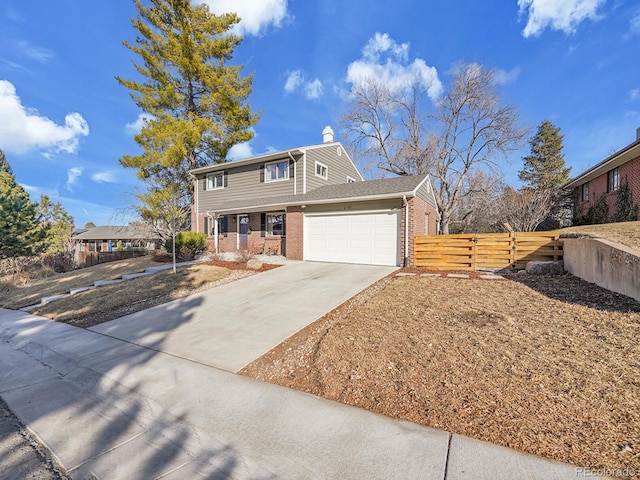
x=425 y=192
x=243 y=182
x=339 y=167
x=355 y=206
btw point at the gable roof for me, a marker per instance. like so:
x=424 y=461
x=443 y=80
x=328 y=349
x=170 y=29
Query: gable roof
x=384 y=188
x=624 y=155
x=116 y=232
x=267 y=157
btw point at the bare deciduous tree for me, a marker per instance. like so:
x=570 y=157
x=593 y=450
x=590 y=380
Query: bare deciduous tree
x=524 y=210
x=469 y=127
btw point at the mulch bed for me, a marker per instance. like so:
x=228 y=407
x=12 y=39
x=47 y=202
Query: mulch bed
x=546 y=365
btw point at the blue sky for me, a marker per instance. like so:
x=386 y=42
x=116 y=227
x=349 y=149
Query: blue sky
x=65 y=121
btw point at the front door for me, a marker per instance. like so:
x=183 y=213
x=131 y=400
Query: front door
x=243 y=230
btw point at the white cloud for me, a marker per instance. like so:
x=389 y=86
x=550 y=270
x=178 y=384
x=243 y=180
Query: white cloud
x=634 y=94
x=240 y=151
x=104 y=177
x=73 y=174
x=634 y=25
x=39 y=54
x=503 y=77
x=563 y=15
x=23 y=129
x=294 y=80
x=134 y=127
x=387 y=62
x=312 y=89
x=255 y=15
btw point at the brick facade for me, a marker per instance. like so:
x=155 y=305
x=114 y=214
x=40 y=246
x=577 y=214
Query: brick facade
x=295 y=231
x=423 y=220
x=629 y=173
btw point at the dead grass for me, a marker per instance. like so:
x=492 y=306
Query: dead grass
x=549 y=366
x=626 y=233
x=30 y=293
x=85 y=309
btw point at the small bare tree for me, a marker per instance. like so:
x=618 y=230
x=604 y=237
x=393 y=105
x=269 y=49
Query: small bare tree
x=468 y=128
x=526 y=209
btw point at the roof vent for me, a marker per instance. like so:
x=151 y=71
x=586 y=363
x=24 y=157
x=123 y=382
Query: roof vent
x=327 y=134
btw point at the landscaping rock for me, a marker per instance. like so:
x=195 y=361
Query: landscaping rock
x=254 y=264
x=544 y=268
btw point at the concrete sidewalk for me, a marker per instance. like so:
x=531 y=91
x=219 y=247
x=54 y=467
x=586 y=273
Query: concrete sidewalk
x=110 y=409
x=231 y=325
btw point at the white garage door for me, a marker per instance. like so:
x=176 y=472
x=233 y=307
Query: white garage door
x=370 y=238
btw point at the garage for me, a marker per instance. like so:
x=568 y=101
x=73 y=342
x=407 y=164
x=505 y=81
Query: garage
x=367 y=237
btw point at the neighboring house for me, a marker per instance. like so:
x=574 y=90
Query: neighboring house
x=311 y=203
x=605 y=178
x=108 y=238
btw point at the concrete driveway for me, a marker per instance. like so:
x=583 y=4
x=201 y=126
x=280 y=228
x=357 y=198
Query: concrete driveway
x=229 y=326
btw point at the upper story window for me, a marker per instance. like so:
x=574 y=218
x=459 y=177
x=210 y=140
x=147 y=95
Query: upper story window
x=350 y=180
x=585 y=192
x=276 y=171
x=322 y=170
x=215 y=180
x=613 y=180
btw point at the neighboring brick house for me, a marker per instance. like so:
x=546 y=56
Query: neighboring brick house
x=605 y=178
x=311 y=203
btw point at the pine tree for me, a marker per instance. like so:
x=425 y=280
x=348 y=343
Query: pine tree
x=21 y=232
x=545 y=168
x=4 y=164
x=194 y=102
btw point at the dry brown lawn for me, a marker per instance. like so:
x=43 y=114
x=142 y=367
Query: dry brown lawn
x=30 y=294
x=91 y=307
x=545 y=365
x=627 y=233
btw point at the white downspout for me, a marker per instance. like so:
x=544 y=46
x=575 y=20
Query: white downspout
x=304 y=171
x=295 y=172
x=195 y=203
x=406 y=231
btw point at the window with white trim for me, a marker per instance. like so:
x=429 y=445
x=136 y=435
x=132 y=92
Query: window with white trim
x=322 y=170
x=585 y=192
x=613 y=180
x=350 y=180
x=215 y=180
x=276 y=171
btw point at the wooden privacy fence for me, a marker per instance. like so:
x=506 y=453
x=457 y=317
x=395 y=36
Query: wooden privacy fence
x=486 y=250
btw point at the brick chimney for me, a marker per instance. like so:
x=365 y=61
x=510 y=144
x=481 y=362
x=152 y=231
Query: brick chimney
x=327 y=134
x=638 y=134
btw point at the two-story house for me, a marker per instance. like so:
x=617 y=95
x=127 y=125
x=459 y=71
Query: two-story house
x=605 y=178
x=312 y=203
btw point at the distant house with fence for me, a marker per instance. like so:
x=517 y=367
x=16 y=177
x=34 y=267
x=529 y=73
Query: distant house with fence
x=112 y=242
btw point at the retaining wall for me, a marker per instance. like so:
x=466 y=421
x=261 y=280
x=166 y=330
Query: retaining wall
x=607 y=264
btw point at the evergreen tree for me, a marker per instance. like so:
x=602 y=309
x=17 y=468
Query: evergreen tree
x=545 y=168
x=626 y=210
x=4 y=164
x=194 y=102
x=544 y=173
x=21 y=232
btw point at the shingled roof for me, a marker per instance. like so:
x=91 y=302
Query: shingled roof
x=116 y=232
